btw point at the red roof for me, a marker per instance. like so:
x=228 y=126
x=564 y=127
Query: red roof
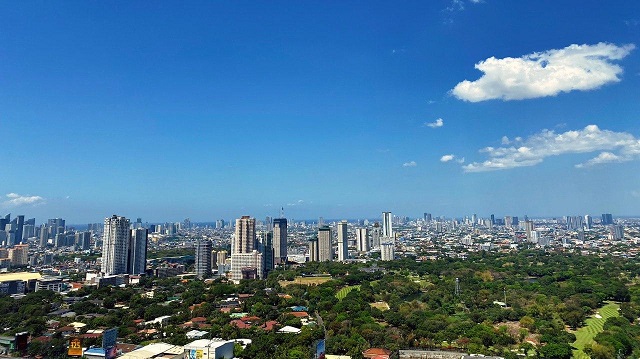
x=376 y=353
x=300 y=314
x=240 y=324
x=198 y=320
x=269 y=325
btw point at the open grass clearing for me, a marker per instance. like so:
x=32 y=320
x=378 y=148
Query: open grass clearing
x=594 y=325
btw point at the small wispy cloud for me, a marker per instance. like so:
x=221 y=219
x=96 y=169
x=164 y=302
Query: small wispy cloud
x=447 y=158
x=297 y=203
x=16 y=200
x=437 y=123
x=410 y=164
x=548 y=73
x=615 y=147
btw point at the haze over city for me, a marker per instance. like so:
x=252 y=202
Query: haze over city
x=343 y=110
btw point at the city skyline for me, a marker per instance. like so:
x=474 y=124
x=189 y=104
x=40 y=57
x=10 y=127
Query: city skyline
x=218 y=110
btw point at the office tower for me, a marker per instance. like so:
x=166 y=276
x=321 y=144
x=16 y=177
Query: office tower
x=427 y=217
x=115 y=246
x=387 y=251
x=616 y=232
x=280 y=240
x=203 y=258
x=4 y=221
x=588 y=221
x=56 y=225
x=387 y=227
x=28 y=229
x=493 y=219
x=44 y=236
x=19 y=255
x=313 y=249
x=268 y=221
x=83 y=240
x=474 y=219
x=362 y=240
x=607 y=219
x=220 y=224
x=266 y=247
x=246 y=261
x=535 y=237
x=343 y=245
x=221 y=257
x=17 y=225
x=247 y=266
x=529 y=228
x=376 y=233
x=138 y=251
x=508 y=221
x=245 y=235
x=325 y=247
x=320 y=222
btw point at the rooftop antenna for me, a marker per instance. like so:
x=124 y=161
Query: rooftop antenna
x=281 y=212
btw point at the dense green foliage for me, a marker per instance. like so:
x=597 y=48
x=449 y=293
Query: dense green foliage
x=546 y=295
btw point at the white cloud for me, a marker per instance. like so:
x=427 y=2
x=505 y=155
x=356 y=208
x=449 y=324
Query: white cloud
x=409 y=164
x=460 y=160
x=437 y=123
x=447 y=158
x=536 y=148
x=16 y=200
x=603 y=157
x=541 y=74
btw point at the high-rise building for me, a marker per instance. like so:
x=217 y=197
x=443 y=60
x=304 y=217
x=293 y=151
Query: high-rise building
x=313 y=249
x=529 y=228
x=325 y=247
x=137 y=262
x=387 y=226
x=280 y=240
x=266 y=247
x=44 y=236
x=588 y=222
x=427 y=217
x=203 y=258
x=246 y=261
x=607 y=219
x=19 y=255
x=56 y=225
x=245 y=235
x=343 y=244
x=362 y=240
x=387 y=251
x=115 y=248
x=18 y=223
x=83 y=240
x=376 y=233
x=616 y=232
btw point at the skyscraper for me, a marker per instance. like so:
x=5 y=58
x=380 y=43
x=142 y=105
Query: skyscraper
x=203 y=258
x=387 y=226
x=137 y=262
x=245 y=235
x=246 y=261
x=362 y=240
x=115 y=248
x=343 y=245
x=387 y=251
x=280 y=240
x=607 y=219
x=325 y=247
x=588 y=221
x=313 y=249
x=375 y=235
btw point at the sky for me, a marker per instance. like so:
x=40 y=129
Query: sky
x=341 y=109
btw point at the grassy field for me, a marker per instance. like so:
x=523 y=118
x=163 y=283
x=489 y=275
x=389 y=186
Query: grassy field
x=306 y=281
x=380 y=305
x=594 y=326
x=344 y=291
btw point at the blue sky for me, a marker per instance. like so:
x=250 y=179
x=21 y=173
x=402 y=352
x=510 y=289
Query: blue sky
x=168 y=110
